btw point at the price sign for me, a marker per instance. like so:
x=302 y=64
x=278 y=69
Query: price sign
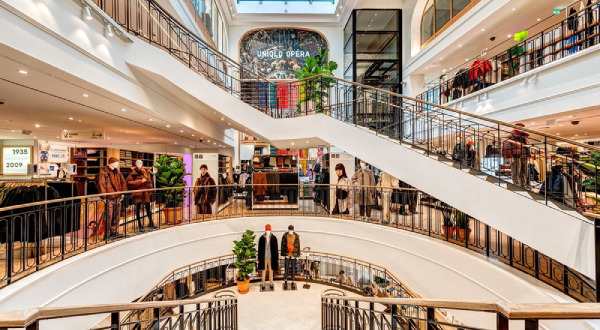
x=15 y=160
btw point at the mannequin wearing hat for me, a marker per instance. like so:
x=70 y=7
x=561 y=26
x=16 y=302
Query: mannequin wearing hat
x=110 y=180
x=205 y=191
x=267 y=255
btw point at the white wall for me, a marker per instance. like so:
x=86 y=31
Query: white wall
x=333 y=35
x=123 y=271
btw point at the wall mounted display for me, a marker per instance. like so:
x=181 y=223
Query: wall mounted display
x=278 y=52
x=15 y=159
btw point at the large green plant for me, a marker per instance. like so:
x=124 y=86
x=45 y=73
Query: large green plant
x=170 y=175
x=316 y=89
x=245 y=253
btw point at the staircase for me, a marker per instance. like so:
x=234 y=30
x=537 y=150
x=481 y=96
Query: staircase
x=410 y=139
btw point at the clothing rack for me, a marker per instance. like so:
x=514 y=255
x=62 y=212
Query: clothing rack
x=281 y=187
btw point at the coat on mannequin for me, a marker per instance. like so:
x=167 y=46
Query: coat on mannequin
x=268 y=258
x=364 y=196
x=140 y=179
x=386 y=181
x=111 y=180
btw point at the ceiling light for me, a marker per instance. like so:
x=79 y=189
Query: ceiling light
x=509 y=36
x=292 y=143
x=338 y=15
x=70 y=118
x=222 y=118
x=561 y=125
x=175 y=142
x=123 y=109
x=87 y=13
x=214 y=142
x=557 y=133
x=180 y=131
x=307 y=142
x=150 y=119
x=81 y=121
x=576 y=134
x=441 y=58
x=35 y=137
x=193 y=135
x=58 y=137
x=570 y=116
x=23 y=71
x=208 y=141
x=539 y=19
x=85 y=95
x=532 y=123
x=64 y=130
x=168 y=125
x=466 y=59
x=482 y=29
x=460 y=45
x=514 y=9
x=37 y=125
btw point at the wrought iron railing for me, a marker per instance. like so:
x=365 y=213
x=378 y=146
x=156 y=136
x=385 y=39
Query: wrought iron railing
x=38 y=235
x=542 y=165
x=204 y=314
x=341 y=312
x=571 y=35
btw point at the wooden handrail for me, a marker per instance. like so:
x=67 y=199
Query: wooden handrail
x=21 y=319
x=510 y=311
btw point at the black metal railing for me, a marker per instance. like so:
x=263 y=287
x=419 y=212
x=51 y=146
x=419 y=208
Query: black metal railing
x=342 y=312
x=38 y=235
x=573 y=34
x=204 y=314
x=540 y=164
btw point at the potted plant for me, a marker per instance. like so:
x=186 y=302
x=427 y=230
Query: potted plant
x=448 y=224
x=462 y=224
x=170 y=175
x=313 y=93
x=245 y=259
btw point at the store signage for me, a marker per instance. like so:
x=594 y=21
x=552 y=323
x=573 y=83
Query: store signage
x=82 y=135
x=53 y=153
x=15 y=160
x=206 y=156
x=279 y=53
x=484 y=51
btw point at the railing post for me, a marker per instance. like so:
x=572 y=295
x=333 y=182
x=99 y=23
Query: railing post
x=531 y=324
x=431 y=319
x=536 y=263
x=510 y=251
x=393 y=317
x=501 y=322
x=33 y=326
x=487 y=240
x=566 y=280
x=597 y=250
x=371 y=315
x=114 y=320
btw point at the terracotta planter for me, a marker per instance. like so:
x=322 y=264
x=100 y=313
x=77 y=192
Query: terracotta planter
x=449 y=230
x=173 y=215
x=243 y=286
x=461 y=233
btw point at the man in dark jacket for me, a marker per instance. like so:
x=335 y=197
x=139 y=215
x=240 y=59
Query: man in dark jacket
x=205 y=191
x=267 y=256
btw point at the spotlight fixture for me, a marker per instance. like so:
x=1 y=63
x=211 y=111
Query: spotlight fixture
x=87 y=13
x=533 y=78
x=23 y=71
x=524 y=82
x=109 y=30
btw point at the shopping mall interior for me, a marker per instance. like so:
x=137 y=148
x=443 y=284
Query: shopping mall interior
x=299 y=164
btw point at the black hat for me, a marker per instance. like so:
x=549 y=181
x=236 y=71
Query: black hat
x=291 y=227
x=203 y=166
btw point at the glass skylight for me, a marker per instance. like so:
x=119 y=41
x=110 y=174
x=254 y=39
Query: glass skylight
x=286 y=6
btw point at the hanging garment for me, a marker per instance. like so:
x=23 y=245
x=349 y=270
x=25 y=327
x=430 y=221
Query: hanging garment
x=365 y=195
x=479 y=68
x=260 y=180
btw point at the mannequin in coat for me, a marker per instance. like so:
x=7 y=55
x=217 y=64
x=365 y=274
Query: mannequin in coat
x=290 y=249
x=364 y=196
x=386 y=181
x=342 y=195
x=267 y=255
x=205 y=191
x=140 y=179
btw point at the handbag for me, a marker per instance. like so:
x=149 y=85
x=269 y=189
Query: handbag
x=341 y=193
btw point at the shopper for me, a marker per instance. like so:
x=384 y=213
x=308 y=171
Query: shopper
x=517 y=153
x=342 y=193
x=205 y=191
x=110 y=180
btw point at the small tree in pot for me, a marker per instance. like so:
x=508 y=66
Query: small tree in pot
x=462 y=224
x=313 y=93
x=245 y=253
x=448 y=224
x=170 y=175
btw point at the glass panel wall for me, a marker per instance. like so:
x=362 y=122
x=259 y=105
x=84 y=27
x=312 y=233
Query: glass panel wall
x=372 y=49
x=213 y=21
x=439 y=13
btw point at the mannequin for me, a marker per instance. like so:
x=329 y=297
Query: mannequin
x=341 y=196
x=364 y=196
x=290 y=249
x=205 y=191
x=386 y=181
x=267 y=256
x=110 y=180
x=140 y=179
